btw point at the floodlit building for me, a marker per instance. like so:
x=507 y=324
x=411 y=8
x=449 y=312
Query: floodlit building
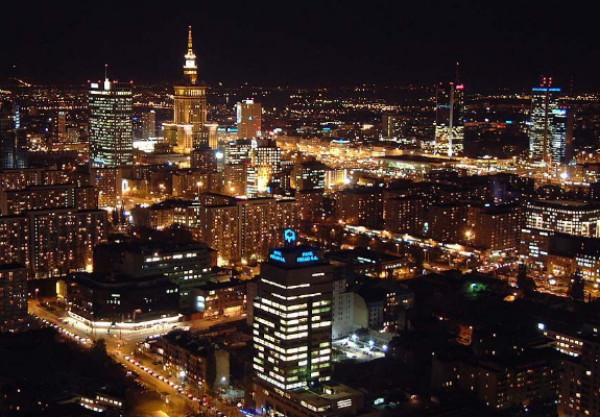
x=188 y=130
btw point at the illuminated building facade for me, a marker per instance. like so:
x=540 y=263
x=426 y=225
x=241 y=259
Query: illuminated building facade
x=312 y=205
x=63 y=240
x=292 y=318
x=14 y=240
x=189 y=109
x=13 y=297
x=266 y=163
x=544 y=218
x=105 y=300
x=494 y=228
x=204 y=364
x=560 y=132
x=17 y=179
x=111 y=126
x=243 y=230
x=405 y=214
x=570 y=217
x=501 y=383
x=191 y=183
x=360 y=206
x=449 y=119
x=186 y=265
x=579 y=385
x=108 y=182
x=292 y=324
x=219 y=227
x=61 y=127
x=249 y=119
x=218 y=298
x=393 y=126
x=203 y=159
x=547 y=132
x=309 y=176
x=568 y=254
x=13 y=138
x=47 y=196
x=447 y=222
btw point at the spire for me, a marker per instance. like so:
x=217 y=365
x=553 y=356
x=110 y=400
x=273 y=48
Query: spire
x=190 y=70
x=457 y=73
x=107 y=83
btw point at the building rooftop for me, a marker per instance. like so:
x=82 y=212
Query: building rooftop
x=101 y=280
x=300 y=256
x=566 y=204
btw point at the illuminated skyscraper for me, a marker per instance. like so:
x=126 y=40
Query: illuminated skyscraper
x=560 y=129
x=13 y=138
x=449 y=119
x=61 y=126
x=189 y=109
x=292 y=321
x=548 y=125
x=111 y=127
x=249 y=119
x=292 y=318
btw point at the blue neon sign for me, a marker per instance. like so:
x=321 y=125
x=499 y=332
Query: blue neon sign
x=290 y=236
x=277 y=256
x=307 y=257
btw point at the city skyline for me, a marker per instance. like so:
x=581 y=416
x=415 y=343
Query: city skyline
x=303 y=244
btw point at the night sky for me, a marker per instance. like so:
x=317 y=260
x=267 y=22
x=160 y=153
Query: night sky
x=506 y=43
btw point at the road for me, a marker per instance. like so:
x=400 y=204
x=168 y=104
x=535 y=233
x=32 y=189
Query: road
x=122 y=346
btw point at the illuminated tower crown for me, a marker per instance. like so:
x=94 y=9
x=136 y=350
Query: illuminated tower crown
x=190 y=70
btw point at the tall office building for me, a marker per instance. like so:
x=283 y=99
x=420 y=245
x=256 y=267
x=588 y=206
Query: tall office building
x=149 y=124
x=292 y=321
x=188 y=129
x=266 y=163
x=561 y=128
x=13 y=138
x=393 y=126
x=249 y=119
x=111 y=126
x=61 y=126
x=449 y=119
x=548 y=124
x=292 y=318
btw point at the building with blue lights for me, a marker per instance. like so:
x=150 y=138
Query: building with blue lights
x=548 y=124
x=292 y=336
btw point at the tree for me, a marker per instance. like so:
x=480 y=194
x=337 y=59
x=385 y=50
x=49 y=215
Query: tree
x=576 y=291
x=525 y=283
